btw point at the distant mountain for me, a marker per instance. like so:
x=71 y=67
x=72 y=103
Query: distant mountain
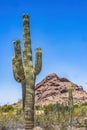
x=54 y=89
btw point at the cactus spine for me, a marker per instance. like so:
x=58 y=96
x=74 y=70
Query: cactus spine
x=25 y=72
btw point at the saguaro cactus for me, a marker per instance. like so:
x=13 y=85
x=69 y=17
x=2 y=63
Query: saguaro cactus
x=25 y=72
x=70 y=102
x=70 y=99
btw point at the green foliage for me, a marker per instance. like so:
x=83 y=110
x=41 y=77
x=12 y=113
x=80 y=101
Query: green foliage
x=52 y=119
x=84 y=104
x=76 y=106
x=37 y=107
x=9 y=120
x=59 y=116
x=6 y=108
x=19 y=111
x=48 y=108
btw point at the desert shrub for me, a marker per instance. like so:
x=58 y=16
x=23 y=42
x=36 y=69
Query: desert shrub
x=10 y=121
x=76 y=106
x=84 y=104
x=19 y=111
x=38 y=107
x=7 y=108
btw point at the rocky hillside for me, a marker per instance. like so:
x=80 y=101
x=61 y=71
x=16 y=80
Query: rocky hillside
x=54 y=89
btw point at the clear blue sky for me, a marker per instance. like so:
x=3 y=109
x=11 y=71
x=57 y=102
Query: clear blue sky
x=59 y=27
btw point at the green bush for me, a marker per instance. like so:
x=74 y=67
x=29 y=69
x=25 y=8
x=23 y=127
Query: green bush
x=38 y=107
x=76 y=106
x=19 y=111
x=7 y=108
x=84 y=104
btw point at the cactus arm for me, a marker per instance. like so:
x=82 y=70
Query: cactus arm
x=18 y=70
x=18 y=75
x=17 y=63
x=38 y=61
x=15 y=71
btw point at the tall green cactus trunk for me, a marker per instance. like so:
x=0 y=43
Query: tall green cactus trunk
x=70 y=103
x=25 y=72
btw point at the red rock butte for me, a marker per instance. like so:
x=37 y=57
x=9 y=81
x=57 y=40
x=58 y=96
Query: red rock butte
x=53 y=89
